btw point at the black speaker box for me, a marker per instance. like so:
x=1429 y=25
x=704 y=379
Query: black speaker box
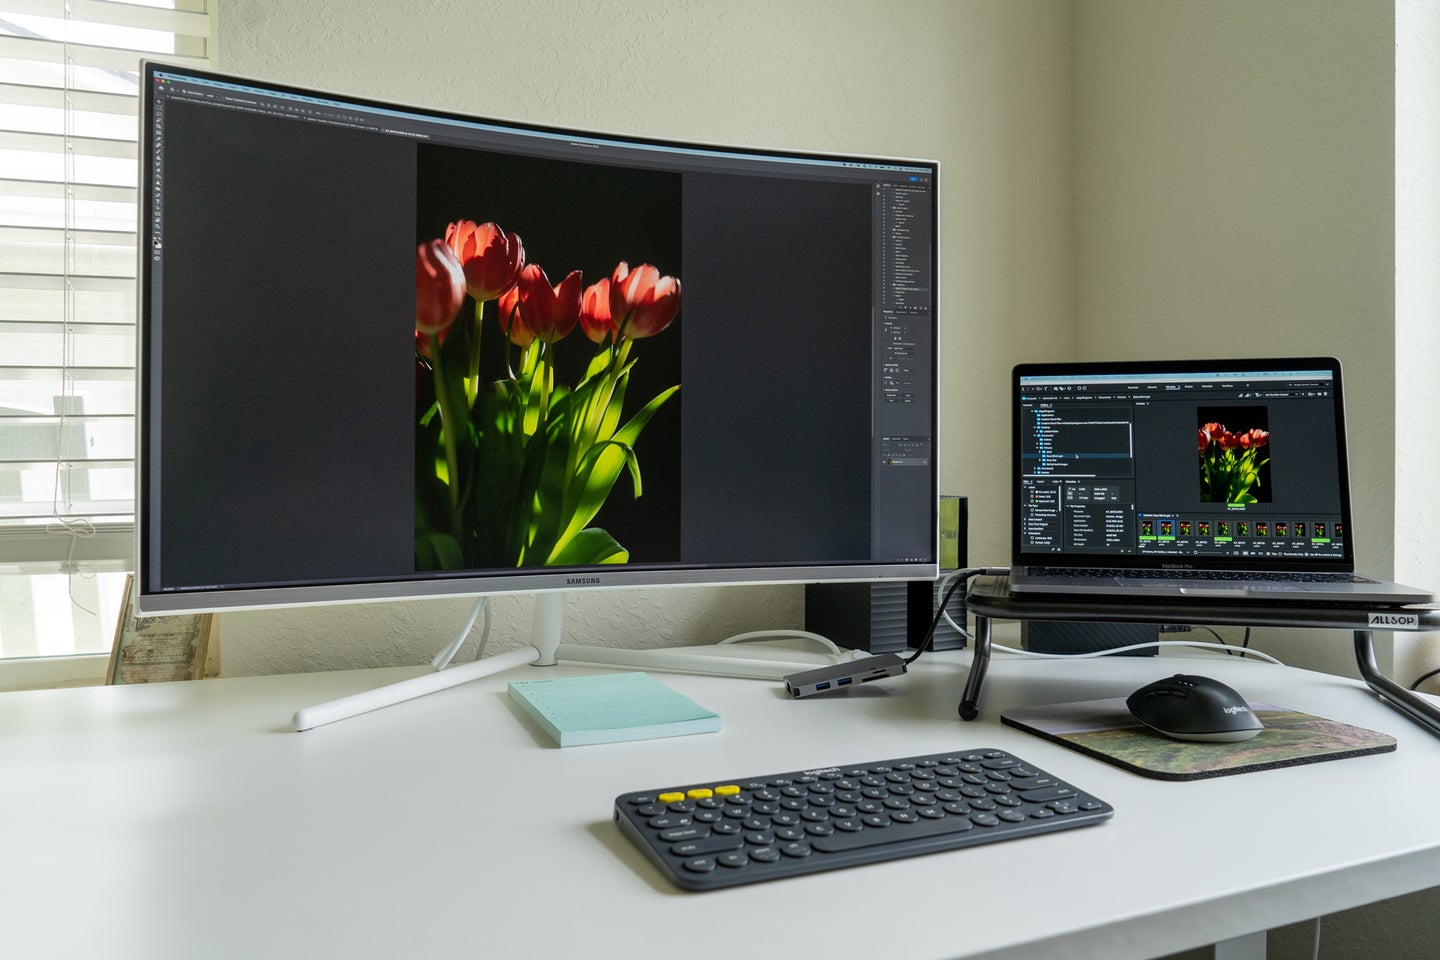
x=885 y=617
x=890 y=616
x=861 y=616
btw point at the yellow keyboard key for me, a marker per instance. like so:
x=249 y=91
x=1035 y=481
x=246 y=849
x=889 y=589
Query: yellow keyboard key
x=701 y=793
x=671 y=797
x=726 y=790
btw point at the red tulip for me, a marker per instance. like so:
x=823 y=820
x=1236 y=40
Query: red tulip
x=1255 y=437
x=511 y=323
x=422 y=340
x=642 y=303
x=595 y=312
x=439 y=287
x=1204 y=439
x=490 y=257
x=547 y=313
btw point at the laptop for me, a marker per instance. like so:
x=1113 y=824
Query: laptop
x=1186 y=479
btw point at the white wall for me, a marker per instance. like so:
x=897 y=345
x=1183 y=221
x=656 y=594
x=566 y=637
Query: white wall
x=1417 y=315
x=983 y=87
x=1261 y=177
x=1235 y=197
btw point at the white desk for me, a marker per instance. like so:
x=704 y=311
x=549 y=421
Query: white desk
x=186 y=820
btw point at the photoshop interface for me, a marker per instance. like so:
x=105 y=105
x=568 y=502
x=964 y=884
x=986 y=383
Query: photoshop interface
x=1219 y=465
x=904 y=357
x=890 y=203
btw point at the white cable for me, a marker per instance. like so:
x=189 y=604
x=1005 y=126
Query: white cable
x=957 y=627
x=1137 y=646
x=1098 y=653
x=754 y=635
x=442 y=659
x=484 y=635
x=78 y=529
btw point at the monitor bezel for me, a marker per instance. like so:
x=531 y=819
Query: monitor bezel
x=472 y=583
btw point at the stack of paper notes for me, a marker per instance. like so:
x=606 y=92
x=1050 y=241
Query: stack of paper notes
x=610 y=707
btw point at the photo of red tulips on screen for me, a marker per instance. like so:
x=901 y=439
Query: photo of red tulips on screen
x=512 y=471
x=1234 y=464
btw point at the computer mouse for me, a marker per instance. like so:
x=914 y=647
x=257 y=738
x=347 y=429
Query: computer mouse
x=1187 y=707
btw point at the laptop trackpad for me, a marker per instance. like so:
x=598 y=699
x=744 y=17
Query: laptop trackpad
x=1185 y=588
x=1216 y=591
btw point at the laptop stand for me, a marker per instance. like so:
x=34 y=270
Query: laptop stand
x=989 y=598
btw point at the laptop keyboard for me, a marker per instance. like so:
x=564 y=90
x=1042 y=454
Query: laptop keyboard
x=1125 y=573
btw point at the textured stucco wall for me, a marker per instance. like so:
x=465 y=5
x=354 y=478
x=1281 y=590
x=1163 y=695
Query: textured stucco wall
x=981 y=86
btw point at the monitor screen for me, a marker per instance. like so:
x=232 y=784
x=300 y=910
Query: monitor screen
x=631 y=362
x=1238 y=464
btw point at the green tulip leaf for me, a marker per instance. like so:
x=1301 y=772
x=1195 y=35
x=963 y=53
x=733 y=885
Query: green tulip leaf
x=629 y=433
x=600 y=467
x=438 y=551
x=589 y=547
x=598 y=363
x=610 y=415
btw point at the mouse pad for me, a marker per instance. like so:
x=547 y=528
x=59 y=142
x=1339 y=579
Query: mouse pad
x=1105 y=730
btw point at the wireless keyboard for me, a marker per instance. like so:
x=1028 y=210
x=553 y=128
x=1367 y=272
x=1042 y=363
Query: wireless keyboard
x=727 y=832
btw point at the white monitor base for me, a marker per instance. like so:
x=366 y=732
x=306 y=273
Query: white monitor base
x=545 y=649
x=307 y=718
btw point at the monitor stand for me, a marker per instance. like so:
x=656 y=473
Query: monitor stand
x=545 y=649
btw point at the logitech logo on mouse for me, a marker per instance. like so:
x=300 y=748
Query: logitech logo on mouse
x=1234 y=710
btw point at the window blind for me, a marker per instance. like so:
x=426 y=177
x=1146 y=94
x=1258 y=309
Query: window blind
x=69 y=108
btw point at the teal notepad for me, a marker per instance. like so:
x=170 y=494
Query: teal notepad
x=610 y=707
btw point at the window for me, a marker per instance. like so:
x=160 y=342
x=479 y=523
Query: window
x=69 y=95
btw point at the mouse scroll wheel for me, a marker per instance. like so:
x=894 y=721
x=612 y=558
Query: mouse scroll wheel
x=1169 y=692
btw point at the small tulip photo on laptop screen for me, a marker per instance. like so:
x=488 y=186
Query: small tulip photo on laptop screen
x=1234 y=445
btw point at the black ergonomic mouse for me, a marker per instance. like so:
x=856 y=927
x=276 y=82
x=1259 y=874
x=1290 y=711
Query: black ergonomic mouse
x=1185 y=707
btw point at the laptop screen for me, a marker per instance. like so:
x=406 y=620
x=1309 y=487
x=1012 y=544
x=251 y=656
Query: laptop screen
x=1225 y=464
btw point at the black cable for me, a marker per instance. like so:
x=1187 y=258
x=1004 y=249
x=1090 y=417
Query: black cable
x=1223 y=643
x=1423 y=677
x=961 y=576
x=1244 y=644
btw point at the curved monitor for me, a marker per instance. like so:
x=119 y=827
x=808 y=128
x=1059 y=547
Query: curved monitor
x=617 y=361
